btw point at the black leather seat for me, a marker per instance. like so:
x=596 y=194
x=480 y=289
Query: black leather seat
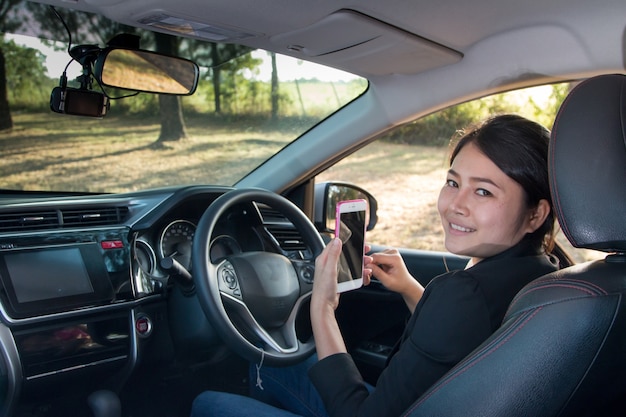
x=561 y=350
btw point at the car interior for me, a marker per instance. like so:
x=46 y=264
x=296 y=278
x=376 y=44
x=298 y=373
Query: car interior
x=129 y=285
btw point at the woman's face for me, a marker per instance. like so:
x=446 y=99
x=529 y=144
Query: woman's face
x=483 y=211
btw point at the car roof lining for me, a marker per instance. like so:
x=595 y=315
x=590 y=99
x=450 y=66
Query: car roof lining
x=349 y=40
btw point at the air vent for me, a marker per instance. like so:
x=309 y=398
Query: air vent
x=271 y=215
x=29 y=221
x=65 y=218
x=288 y=238
x=280 y=227
x=95 y=216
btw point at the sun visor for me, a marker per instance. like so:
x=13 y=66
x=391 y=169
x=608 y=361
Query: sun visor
x=362 y=45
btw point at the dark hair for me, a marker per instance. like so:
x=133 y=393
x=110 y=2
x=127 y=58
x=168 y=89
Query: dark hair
x=519 y=147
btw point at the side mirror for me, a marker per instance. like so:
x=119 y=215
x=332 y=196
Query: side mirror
x=327 y=194
x=146 y=71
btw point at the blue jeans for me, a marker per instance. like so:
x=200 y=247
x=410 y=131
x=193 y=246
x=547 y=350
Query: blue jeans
x=286 y=392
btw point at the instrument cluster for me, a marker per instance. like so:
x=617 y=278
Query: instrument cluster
x=173 y=238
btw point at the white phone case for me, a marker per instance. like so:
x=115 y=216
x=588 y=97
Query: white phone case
x=350 y=228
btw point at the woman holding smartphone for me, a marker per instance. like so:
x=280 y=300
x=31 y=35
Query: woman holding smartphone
x=495 y=208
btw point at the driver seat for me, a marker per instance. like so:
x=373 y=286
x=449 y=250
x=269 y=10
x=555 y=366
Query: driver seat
x=561 y=350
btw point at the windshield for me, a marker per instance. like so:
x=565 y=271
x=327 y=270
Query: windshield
x=248 y=105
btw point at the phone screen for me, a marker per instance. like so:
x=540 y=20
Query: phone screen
x=350 y=228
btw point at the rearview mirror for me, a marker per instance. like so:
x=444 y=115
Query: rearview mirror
x=327 y=194
x=146 y=71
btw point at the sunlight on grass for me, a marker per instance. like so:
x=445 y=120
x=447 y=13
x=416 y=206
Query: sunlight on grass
x=111 y=155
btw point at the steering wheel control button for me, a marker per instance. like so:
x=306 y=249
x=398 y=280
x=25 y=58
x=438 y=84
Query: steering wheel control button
x=228 y=280
x=307 y=273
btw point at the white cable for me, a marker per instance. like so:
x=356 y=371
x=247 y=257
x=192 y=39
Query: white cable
x=259 y=381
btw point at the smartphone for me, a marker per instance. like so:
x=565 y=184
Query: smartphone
x=350 y=228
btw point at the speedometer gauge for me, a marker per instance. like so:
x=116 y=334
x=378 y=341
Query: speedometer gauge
x=176 y=240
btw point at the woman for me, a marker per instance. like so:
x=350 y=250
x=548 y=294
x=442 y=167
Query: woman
x=495 y=208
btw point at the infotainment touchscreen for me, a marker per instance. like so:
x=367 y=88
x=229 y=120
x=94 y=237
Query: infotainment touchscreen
x=42 y=275
x=53 y=279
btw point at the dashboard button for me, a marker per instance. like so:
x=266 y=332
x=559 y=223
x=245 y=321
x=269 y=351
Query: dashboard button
x=143 y=326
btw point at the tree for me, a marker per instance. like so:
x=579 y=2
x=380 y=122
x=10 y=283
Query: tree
x=235 y=86
x=86 y=28
x=216 y=79
x=170 y=109
x=95 y=29
x=274 y=89
x=8 y=22
x=220 y=58
x=25 y=75
x=6 y=122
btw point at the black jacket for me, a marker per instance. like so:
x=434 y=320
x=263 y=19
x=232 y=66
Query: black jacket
x=457 y=312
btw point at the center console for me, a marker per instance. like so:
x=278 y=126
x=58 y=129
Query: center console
x=66 y=304
x=43 y=274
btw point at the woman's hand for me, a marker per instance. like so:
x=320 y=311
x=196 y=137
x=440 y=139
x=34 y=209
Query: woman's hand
x=324 y=302
x=325 y=278
x=389 y=267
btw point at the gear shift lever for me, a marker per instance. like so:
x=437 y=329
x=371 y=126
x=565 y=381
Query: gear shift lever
x=105 y=403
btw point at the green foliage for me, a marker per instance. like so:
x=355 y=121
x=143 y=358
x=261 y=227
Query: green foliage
x=546 y=113
x=142 y=104
x=240 y=91
x=27 y=85
x=439 y=128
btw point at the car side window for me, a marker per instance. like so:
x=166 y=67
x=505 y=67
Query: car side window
x=411 y=162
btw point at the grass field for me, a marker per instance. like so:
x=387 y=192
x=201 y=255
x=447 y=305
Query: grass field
x=111 y=155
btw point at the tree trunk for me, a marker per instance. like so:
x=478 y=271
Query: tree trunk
x=274 y=92
x=5 y=112
x=217 y=81
x=172 y=124
x=170 y=109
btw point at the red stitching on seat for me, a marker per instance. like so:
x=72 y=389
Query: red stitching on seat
x=557 y=285
x=547 y=284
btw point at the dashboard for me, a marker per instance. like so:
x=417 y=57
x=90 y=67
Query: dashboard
x=86 y=281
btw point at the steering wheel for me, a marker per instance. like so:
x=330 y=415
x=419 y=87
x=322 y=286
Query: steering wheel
x=252 y=298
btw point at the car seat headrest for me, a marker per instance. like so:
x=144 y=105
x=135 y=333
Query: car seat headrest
x=587 y=164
